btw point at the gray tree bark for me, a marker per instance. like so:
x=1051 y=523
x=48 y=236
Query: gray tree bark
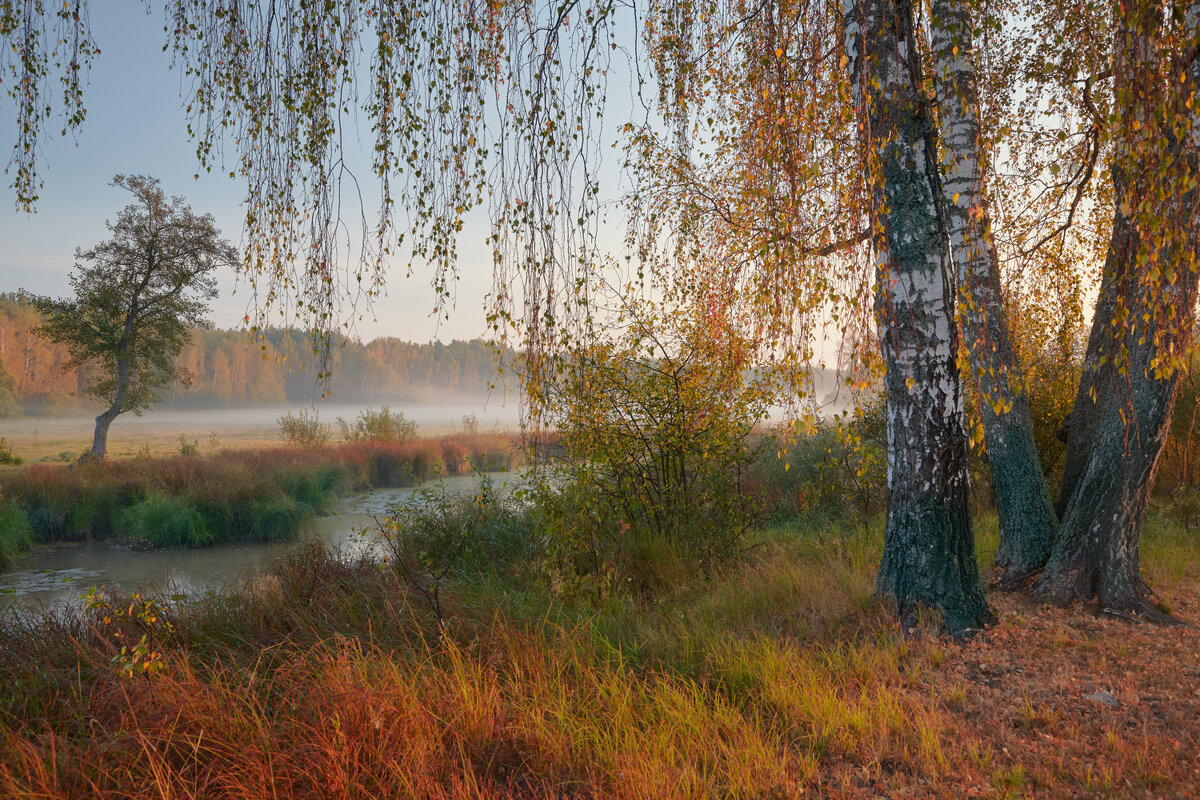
x=1122 y=413
x=125 y=364
x=1119 y=426
x=929 y=554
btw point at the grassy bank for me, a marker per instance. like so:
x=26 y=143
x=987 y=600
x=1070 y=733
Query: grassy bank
x=196 y=500
x=15 y=534
x=778 y=678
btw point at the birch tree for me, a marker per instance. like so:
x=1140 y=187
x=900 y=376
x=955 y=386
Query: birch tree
x=1027 y=520
x=929 y=553
x=1144 y=317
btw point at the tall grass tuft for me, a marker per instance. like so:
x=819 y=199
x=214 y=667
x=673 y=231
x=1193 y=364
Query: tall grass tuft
x=276 y=519
x=162 y=521
x=15 y=532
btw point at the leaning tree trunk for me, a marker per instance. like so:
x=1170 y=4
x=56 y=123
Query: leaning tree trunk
x=1126 y=425
x=1100 y=376
x=100 y=436
x=1027 y=519
x=1122 y=413
x=929 y=554
x=105 y=420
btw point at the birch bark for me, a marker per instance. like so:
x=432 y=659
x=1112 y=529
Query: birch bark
x=929 y=555
x=1027 y=519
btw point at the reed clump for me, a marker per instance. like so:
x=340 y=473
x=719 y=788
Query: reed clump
x=15 y=533
x=234 y=495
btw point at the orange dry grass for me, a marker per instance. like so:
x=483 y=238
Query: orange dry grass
x=353 y=695
x=332 y=685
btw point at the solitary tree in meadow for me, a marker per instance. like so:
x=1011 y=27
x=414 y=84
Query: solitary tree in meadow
x=136 y=296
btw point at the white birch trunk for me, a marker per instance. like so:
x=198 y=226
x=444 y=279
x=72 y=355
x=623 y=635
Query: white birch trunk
x=1027 y=519
x=929 y=557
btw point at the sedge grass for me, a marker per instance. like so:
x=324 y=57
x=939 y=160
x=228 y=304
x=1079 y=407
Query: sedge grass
x=15 y=532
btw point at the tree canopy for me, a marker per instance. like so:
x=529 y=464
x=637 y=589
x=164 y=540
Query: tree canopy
x=137 y=295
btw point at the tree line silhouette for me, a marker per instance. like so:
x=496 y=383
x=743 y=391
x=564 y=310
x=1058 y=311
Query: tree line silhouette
x=226 y=368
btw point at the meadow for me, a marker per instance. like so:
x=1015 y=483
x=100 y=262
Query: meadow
x=536 y=644
x=778 y=677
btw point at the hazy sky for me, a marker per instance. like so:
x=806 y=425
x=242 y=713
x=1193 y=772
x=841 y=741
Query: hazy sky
x=135 y=125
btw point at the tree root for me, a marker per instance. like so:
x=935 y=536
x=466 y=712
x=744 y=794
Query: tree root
x=1145 y=613
x=1015 y=580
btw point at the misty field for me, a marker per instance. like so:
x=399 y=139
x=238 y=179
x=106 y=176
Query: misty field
x=160 y=431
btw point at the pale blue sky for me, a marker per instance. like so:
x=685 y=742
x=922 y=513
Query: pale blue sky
x=135 y=124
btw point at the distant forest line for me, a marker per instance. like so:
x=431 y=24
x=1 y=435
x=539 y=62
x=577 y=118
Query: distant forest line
x=231 y=369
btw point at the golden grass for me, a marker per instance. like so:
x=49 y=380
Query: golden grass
x=38 y=439
x=779 y=678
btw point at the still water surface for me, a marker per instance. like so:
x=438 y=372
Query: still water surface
x=58 y=574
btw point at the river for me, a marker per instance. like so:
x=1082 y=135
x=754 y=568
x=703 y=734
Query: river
x=59 y=573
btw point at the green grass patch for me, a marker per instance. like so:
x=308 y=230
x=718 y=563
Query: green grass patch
x=15 y=532
x=161 y=521
x=255 y=495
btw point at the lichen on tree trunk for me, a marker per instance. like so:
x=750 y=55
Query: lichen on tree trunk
x=929 y=555
x=1027 y=519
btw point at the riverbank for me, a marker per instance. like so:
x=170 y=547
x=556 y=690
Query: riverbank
x=780 y=677
x=234 y=495
x=60 y=574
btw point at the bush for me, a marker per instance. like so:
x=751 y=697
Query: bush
x=654 y=426
x=436 y=534
x=447 y=532
x=7 y=456
x=832 y=469
x=302 y=430
x=1051 y=381
x=378 y=426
